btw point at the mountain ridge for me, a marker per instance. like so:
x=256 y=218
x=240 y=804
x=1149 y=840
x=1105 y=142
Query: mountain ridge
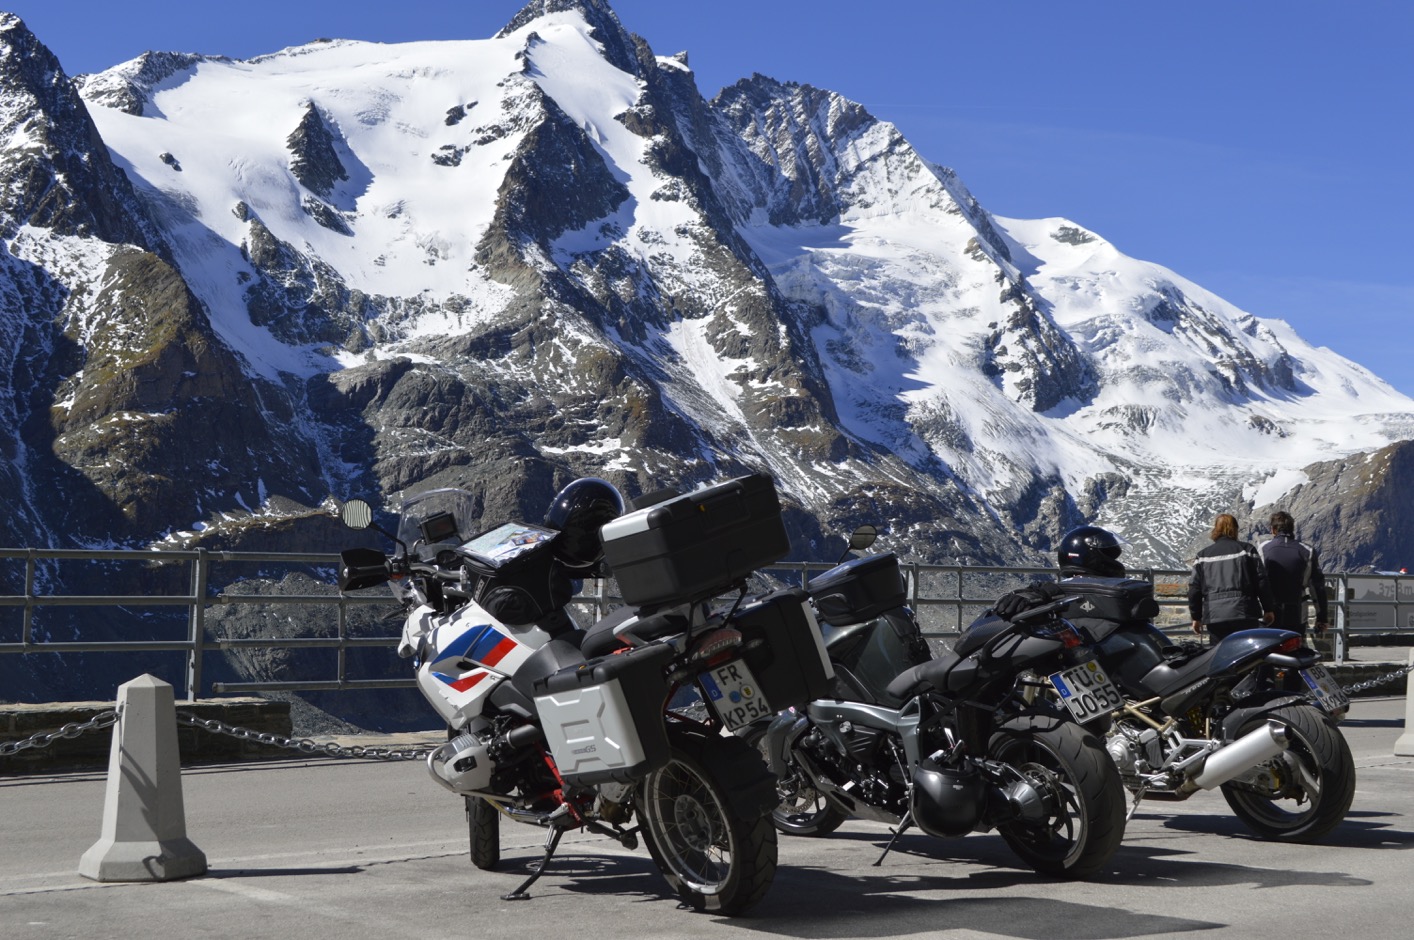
x=503 y=263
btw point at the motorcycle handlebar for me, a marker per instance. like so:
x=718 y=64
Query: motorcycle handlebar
x=433 y=571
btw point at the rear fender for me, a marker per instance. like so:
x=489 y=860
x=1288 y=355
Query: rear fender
x=737 y=768
x=1255 y=707
x=781 y=734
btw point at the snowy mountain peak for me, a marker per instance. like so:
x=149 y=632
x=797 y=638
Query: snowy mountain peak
x=619 y=48
x=503 y=263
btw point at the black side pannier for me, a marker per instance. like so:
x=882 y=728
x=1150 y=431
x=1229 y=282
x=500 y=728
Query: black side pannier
x=1114 y=599
x=517 y=578
x=784 y=648
x=859 y=590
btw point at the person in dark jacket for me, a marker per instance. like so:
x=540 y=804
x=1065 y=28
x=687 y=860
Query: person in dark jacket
x=1294 y=572
x=1228 y=590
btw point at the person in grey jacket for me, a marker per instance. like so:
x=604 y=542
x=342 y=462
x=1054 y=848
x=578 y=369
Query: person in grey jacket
x=1228 y=590
x=1294 y=571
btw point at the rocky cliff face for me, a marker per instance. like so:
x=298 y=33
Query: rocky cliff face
x=1357 y=511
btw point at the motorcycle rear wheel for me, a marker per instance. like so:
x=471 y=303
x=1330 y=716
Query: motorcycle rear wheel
x=1324 y=758
x=1083 y=796
x=804 y=810
x=484 y=824
x=714 y=859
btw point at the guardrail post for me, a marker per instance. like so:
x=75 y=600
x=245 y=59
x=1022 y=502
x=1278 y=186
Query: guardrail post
x=144 y=836
x=1341 y=623
x=960 y=595
x=197 y=621
x=27 y=630
x=1398 y=592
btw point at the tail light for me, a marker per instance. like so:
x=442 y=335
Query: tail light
x=718 y=641
x=1289 y=645
x=1070 y=639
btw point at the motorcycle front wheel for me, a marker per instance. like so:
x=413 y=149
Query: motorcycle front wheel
x=1308 y=789
x=1076 y=826
x=714 y=858
x=484 y=825
x=804 y=810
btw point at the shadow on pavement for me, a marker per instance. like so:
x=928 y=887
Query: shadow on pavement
x=1350 y=833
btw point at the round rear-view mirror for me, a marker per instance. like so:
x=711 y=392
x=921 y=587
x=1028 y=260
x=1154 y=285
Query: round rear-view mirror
x=863 y=537
x=356 y=514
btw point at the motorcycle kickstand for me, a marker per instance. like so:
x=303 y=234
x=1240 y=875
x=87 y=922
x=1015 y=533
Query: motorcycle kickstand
x=904 y=824
x=1138 y=795
x=552 y=842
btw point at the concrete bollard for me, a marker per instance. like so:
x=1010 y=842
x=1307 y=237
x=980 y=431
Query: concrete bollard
x=1404 y=747
x=144 y=834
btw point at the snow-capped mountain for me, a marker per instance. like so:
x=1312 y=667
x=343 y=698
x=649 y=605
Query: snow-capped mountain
x=230 y=288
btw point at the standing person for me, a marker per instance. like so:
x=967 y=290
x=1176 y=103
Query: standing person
x=1294 y=570
x=1228 y=590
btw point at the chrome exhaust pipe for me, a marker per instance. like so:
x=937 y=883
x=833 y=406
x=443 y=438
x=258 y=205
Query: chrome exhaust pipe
x=1242 y=755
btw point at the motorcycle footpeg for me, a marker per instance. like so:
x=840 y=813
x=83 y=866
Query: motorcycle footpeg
x=628 y=838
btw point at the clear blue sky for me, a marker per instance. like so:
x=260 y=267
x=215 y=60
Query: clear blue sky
x=1259 y=147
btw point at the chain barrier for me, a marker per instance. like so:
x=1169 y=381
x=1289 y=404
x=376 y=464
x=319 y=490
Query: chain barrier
x=1378 y=680
x=304 y=745
x=72 y=730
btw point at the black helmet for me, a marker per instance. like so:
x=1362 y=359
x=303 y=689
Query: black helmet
x=1090 y=550
x=947 y=801
x=577 y=512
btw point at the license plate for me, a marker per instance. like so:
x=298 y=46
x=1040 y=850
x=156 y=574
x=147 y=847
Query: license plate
x=736 y=695
x=1086 y=691
x=1326 y=690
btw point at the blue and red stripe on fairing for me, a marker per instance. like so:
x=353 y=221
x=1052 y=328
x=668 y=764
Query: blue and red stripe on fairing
x=483 y=644
x=466 y=681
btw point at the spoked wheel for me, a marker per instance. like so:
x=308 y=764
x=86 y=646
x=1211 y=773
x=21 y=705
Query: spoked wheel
x=484 y=823
x=1071 y=808
x=714 y=859
x=803 y=811
x=1304 y=792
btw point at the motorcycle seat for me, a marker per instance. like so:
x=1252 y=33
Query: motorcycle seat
x=905 y=682
x=1168 y=677
x=947 y=672
x=599 y=640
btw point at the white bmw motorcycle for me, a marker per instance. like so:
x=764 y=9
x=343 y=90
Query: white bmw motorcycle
x=565 y=729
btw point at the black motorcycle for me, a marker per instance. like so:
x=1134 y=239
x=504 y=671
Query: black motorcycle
x=948 y=744
x=1254 y=714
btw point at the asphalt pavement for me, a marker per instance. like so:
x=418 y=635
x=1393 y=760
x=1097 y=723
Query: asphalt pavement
x=356 y=848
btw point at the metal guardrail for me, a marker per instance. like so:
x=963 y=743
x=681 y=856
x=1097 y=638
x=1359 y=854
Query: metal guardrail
x=924 y=586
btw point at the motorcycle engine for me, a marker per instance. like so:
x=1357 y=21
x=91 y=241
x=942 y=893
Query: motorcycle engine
x=1136 y=751
x=464 y=763
x=863 y=768
x=1122 y=752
